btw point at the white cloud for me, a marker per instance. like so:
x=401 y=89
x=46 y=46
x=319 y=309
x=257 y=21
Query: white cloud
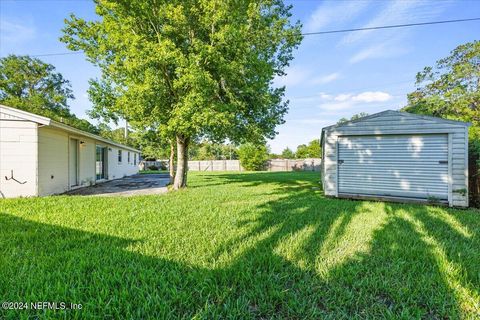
x=374 y=51
x=334 y=13
x=372 y=96
x=346 y=101
x=386 y=49
x=335 y=106
x=324 y=95
x=342 y=97
x=326 y=78
x=15 y=33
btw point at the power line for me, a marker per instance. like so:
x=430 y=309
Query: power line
x=56 y=54
x=323 y=32
x=389 y=26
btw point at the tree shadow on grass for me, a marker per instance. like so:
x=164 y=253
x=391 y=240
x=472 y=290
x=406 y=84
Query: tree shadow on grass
x=452 y=237
x=301 y=256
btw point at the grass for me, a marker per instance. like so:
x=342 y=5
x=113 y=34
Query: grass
x=252 y=245
x=152 y=171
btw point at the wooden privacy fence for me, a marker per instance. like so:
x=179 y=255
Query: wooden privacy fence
x=312 y=164
x=144 y=164
x=214 y=165
x=271 y=165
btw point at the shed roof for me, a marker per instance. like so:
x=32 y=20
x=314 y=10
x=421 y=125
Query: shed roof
x=9 y=113
x=404 y=114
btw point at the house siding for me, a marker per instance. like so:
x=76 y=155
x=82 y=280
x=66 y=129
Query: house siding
x=18 y=154
x=392 y=122
x=53 y=161
x=118 y=170
x=36 y=149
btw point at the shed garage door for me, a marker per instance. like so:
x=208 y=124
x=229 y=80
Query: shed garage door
x=413 y=166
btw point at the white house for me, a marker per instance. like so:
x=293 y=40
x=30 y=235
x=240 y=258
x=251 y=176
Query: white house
x=397 y=156
x=39 y=156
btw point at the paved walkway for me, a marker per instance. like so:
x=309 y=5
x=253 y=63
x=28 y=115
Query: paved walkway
x=139 y=184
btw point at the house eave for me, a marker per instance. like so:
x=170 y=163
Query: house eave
x=24 y=115
x=79 y=132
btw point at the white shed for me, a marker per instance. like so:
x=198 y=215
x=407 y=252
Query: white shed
x=39 y=156
x=395 y=155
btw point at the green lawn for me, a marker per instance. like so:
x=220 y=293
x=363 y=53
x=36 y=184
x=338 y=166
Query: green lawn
x=152 y=171
x=253 y=245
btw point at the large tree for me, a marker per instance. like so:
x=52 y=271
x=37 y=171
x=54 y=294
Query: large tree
x=32 y=85
x=287 y=153
x=191 y=68
x=451 y=89
x=312 y=150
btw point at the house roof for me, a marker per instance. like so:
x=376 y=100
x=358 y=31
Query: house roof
x=10 y=113
x=405 y=114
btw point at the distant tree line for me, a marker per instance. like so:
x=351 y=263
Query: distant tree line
x=34 y=86
x=303 y=151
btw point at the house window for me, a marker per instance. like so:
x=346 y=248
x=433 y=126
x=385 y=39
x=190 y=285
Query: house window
x=119 y=156
x=128 y=157
x=135 y=159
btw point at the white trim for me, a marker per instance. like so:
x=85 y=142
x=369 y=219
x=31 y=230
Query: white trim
x=450 y=169
x=467 y=196
x=24 y=115
x=336 y=167
x=37 y=160
x=77 y=182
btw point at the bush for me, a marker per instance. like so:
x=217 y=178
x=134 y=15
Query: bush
x=253 y=157
x=153 y=168
x=163 y=165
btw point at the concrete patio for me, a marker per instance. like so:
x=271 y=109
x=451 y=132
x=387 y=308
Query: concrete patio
x=139 y=184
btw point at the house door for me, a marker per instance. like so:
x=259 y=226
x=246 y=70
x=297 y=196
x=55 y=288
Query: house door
x=73 y=162
x=100 y=164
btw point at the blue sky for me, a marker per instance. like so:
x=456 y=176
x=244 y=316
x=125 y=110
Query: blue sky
x=332 y=76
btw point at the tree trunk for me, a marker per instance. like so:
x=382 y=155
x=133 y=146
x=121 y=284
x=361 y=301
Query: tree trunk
x=171 y=161
x=182 y=163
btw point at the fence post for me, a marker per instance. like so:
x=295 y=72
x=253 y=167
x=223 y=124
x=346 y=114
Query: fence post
x=286 y=164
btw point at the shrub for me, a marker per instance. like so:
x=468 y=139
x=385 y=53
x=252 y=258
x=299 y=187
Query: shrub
x=153 y=168
x=253 y=157
x=163 y=165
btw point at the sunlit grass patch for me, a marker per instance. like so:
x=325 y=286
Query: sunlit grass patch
x=240 y=245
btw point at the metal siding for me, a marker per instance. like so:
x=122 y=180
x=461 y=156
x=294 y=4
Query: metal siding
x=394 y=165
